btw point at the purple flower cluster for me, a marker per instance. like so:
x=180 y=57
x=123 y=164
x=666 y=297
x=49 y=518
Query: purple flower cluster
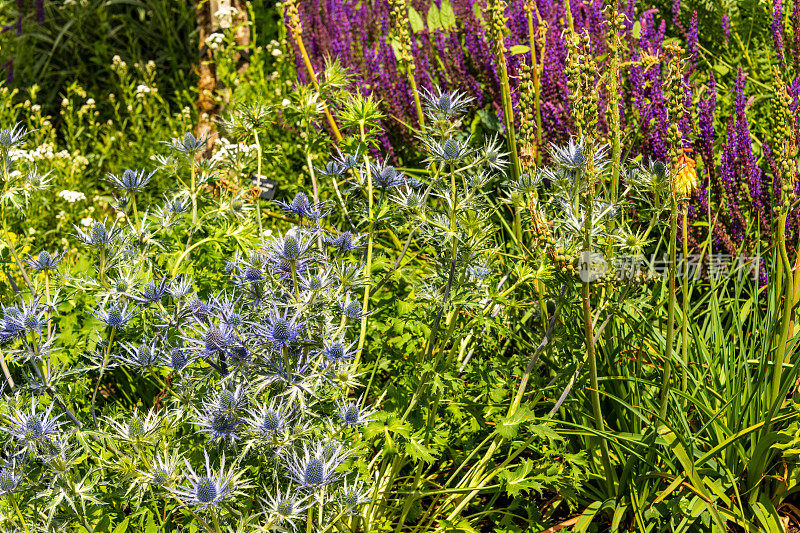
x=457 y=54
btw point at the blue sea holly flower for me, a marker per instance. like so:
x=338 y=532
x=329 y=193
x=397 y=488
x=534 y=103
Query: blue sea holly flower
x=386 y=176
x=10 y=476
x=45 y=261
x=11 y=137
x=218 y=425
x=150 y=292
x=301 y=207
x=227 y=401
x=99 y=235
x=162 y=469
x=131 y=181
x=337 y=351
x=290 y=247
x=180 y=287
x=205 y=491
x=189 y=144
x=176 y=358
x=280 y=331
x=450 y=151
x=349 y=161
x=116 y=316
x=268 y=420
x=443 y=105
x=343 y=242
x=316 y=467
x=352 y=497
x=34 y=426
x=143 y=355
x=213 y=340
x=286 y=508
x=332 y=169
x=352 y=414
x=351 y=308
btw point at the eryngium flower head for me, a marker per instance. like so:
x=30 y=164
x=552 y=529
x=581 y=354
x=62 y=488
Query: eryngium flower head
x=218 y=425
x=162 y=470
x=386 y=176
x=45 y=261
x=286 y=508
x=151 y=291
x=10 y=476
x=290 y=247
x=352 y=414
x=301 y=207
x=213 y=340
x=337 y=351
x=130 y=180
x=442 y=105
x=280 y=331
x=352 y=497
x=34 y=426
x=142 y=355
x=180 y=287
x=349 y=161
x=343 y=242
x=176 y=358
x=333 y=169
x=351 y=308
x=13 y=136
x=136 y=428
x=316 y=467
x=207 y=490
x=190 y=144
x=99 y=235
x=450 y=151
x=116 y=316
x=268 y=420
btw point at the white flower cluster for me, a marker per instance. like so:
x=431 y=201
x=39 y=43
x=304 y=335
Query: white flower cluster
x=142 y=90
x=227 y=150
x=71 y=196
x=41 y=152
x=214 y=41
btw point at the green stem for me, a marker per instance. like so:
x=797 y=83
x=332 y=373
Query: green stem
x=102 y=372
x=780 y=349
x=673 y=230
x=16 y=508
x=685 y=302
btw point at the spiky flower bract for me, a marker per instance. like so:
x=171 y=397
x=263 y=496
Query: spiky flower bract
x=207 y=490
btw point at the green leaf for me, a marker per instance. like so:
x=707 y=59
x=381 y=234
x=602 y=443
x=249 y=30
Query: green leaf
x=636 y=31
x=417 y=24
x=419 y=451
x=434 y=19
x=447 y=16
x=151 y=525
x=123 y=527
x=516 y=481
x=519 y=49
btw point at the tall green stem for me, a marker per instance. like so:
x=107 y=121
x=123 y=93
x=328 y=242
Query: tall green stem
x=673 y=230
x=685 y=302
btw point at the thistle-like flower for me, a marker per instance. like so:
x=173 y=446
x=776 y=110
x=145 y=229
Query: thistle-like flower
x=163 y=469
x=177 y=358
x=386 y=176
x=352 y=414
x=10 y=476
x=286 y=508
x=130 y=181
x=343 y=242
x=353 y=496
x=351 y=308
x=32 y=427
x=143 y=355
x=45 y=261
x=11 y=137
x=151 y=291
x=217 y=424
x=99 y=236
x=116 y=316
x=268 y=420
x=207 y=490
x=136 y=428
x=301 y=207
x=450 y=151
x=281 y=330
x=337 y=351
x=316 y=467
x=189 y=145
x=443 y=105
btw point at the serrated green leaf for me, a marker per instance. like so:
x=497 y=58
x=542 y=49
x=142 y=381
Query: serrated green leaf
x=419 y=451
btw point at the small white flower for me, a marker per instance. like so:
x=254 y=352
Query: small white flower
x=276 y=52
x=88 y=221
x=72 y=196
x=286 y=102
